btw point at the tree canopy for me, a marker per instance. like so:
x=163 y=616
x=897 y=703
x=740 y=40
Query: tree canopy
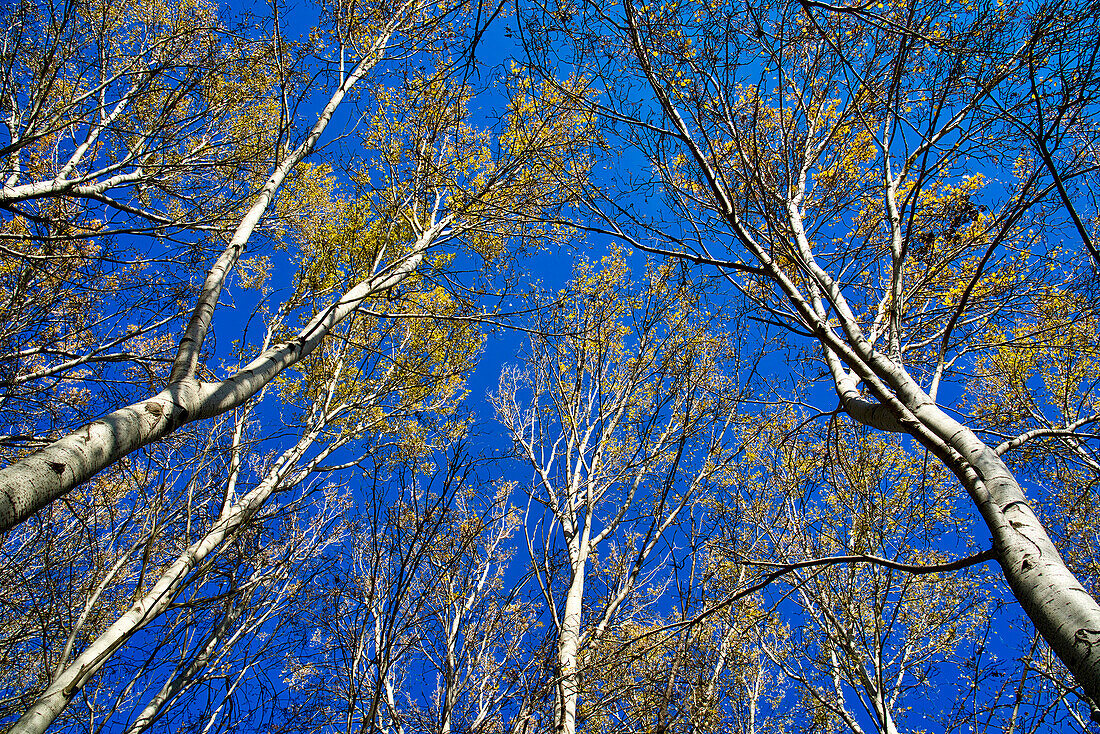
x=570 y=366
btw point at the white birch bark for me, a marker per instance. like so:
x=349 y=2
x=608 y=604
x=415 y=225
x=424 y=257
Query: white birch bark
x=569 y=640
x=742 y=164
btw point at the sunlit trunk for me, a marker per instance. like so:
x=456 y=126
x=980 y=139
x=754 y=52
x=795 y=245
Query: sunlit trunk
x=568 y=647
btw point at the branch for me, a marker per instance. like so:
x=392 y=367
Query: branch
x=1068 y=430
x=960 y=563
x=782 y=569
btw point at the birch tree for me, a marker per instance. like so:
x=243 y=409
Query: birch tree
x=871 y=179
x=619 y=412
x=441 y=183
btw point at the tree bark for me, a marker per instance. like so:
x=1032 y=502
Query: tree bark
x=568 y=648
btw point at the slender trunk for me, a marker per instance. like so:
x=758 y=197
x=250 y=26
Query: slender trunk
x=568 y=649
x=68 y=684
x=450 y=694
x=181 y=679
x=754 y=698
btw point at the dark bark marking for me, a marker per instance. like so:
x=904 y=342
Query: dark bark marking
x=1087 y=638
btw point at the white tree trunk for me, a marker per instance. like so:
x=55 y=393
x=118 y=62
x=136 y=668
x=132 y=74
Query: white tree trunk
x=569 y=639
